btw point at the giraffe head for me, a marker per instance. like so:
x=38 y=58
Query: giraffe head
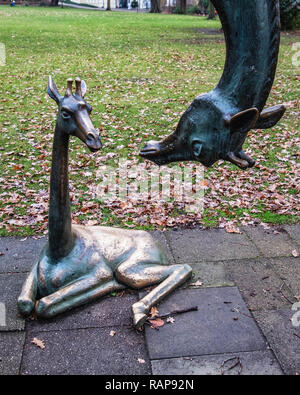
x=74 y=113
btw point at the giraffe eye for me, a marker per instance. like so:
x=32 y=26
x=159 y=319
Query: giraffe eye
x=65 y=115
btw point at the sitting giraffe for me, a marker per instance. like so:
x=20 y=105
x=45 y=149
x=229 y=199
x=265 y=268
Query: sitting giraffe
x=82 y=263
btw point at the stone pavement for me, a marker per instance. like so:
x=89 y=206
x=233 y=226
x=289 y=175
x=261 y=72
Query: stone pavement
x=245 y=286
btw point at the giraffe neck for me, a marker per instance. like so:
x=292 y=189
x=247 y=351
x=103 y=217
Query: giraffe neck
x=252 y=32
x=60 y=233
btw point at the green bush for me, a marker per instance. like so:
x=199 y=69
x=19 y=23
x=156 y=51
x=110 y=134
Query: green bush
x=289 y=14
x=177 y=10
x=194 y=9
x=134 y=4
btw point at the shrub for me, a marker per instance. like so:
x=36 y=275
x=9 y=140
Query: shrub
x=194 y=9
x=289 y=14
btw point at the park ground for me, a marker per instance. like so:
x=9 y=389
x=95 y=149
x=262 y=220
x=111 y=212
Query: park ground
x=142 y=71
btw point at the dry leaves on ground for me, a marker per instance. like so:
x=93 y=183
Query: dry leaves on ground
x=39 y=343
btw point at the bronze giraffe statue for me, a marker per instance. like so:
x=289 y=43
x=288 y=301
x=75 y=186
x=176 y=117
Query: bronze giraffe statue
x=82 y=263
x=216 y=124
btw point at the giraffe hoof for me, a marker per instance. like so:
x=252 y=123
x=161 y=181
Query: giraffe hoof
x=25 y=305
x=140 y=312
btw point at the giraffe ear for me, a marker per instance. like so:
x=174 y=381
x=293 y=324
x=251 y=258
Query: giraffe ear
x=83 y=88
x=52 y=90
x=243 y=121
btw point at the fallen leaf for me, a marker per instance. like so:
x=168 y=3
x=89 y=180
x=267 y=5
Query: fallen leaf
x=232 y=229
x=295 y=253
x=272 y=188
x=154 y=312
x=1 y=253
x=140 y=360
x=157 y=323
x=112 y=333
x=198 y=283
x=39 y=343
x=171 y=320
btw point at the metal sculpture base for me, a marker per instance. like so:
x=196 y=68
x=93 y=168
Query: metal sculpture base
x=102 y=260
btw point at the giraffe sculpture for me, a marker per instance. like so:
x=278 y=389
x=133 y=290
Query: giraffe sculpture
x=82 y=263
x=216 y=124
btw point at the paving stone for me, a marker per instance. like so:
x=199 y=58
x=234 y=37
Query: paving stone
x=19 y=256
x=161 y=240
x=253 y=363
x=86 y=352
x=222 y=324
x=294 y=232
x=270 y=244
x=288 y=270
x=211 y=274
x=109 y=311
x=11 y=348
x=10 y=288
x=260 y=286
x=283 y=337
x=196 y=245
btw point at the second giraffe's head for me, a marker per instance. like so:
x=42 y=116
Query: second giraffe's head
x=74 y=113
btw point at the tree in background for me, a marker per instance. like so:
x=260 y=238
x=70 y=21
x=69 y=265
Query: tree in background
x=183 y=6
x=211 y=11
x=155 y=6
x=108 y=8
x=289 y=14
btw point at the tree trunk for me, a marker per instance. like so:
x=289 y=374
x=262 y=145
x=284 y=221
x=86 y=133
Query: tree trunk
x=54 y=3
x=155 y=6
x=211 y=11
x=183 y=6
x=108 y=6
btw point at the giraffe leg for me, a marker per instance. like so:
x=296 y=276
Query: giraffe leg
x=76 y=294
x=139 y=275
x=27 y=298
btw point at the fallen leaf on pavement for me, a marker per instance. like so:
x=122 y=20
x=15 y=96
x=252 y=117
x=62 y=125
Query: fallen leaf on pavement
x=140 y=360
x=170 y=320
x=112 y=333
x=295 y=253
x=39 y=343
x=232 y=229
x=154 y=312
x=157 y=323
x=198 y=283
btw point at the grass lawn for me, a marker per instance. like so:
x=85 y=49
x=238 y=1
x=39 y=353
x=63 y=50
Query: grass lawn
x=142 y=71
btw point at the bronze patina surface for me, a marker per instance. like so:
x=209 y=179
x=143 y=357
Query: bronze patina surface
x=79 y=263
x=216 y=124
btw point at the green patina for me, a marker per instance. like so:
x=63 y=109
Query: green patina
x=216 y=124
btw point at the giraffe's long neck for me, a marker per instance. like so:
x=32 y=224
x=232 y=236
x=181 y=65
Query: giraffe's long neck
x=60 y=234
x=252 y=32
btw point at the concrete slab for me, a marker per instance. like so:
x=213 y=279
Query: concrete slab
x=11 y=348
x=196 y=245
x=283 y=337
x=294 y=232
x=19 y=256
x=109 y=311
x=260 y=286
x=161 y=240
x=211 y=274
x=10 y=288
x=288 y=270
x=222 y=324
x=252 y=363
x=271 y=244
x=86 y=352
